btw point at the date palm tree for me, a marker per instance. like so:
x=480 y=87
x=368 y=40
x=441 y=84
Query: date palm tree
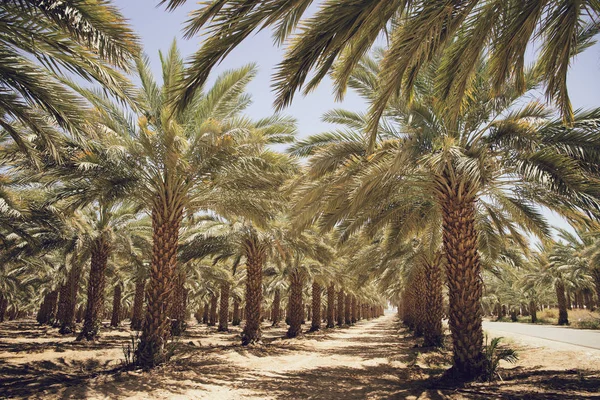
x=340 y=33
x=496 y=156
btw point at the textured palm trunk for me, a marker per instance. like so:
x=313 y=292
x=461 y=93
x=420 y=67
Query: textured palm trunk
x=295 y=302
x=418 y=303
x=331 y=306
x=212 y=317
x=348 y=309
x=463 y=270
x=354 y=313
x=596 y=276
x=3 y=307
x=166 y=219
x=569 y=302
x=587 y=297
x=235 y=321
x=115 y=319
x=276 y=307
x=95 y=296
x=178 y=307
x=224 y=308
x=62 y=303
x=68 y=317
x=340 y=307
x=434 y=307
x=563 y=316
x=315 y=323
x=205 y=313
x=255 y=257
x=47 y=311
x=533 y=311
x=138 y=304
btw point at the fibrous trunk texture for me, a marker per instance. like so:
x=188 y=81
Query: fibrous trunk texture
x=212 y=317
x=68 y=316
x=116 y=310
x=596 y=276
x=340 y=307
x=276 y=307
x=533 y=311
x=315 y=324
x=563 y=316
x=224 y=308
x=255 y=252
x=47 y=311
x=354 y=313
x=348 y=309
x=463 y=271
x=3 y=307
x=179 y=305
x=95 y=296
x=235 y=321
x=166 y=219
x=138 y=304
x=434 y=308
x=331 y=306
x=296 y=306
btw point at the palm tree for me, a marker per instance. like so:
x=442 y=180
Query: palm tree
x=456 y=167
x=43 y=41
x=342 y=32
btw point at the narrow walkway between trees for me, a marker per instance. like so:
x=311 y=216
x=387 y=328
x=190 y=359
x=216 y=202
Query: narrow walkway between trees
x=374 y=359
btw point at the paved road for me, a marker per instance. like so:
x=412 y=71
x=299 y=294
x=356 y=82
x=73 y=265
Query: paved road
x=577 y=337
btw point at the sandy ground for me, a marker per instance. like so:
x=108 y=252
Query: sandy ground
x=373 y=360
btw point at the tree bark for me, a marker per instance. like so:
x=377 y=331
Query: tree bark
x=463 y=270
x=63 y=293
x=67 y=323
x=340 y=308
x=212 y=317
x=315 y=324
x=533 y=311
x=3 y=307
x=348 y=309
x=166 y=219
x=563 y=316
x=354 y=314
x=255 y=252
x=235 y=321
x=330 y=306
x=116 y=310
x=295 y=301
x=569 y=301
x=138 y=304
x=276 y=307
x=434 y=307
x=95 y=296
x=596 y=276
x=178 y=308
x=224 y=308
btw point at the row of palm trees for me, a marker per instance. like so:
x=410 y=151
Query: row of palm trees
x=443 y=177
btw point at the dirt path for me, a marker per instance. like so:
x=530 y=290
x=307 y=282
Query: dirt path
x=373 y=360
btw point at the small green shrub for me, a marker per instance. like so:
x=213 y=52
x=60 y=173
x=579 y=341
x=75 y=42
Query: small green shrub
x=493 y=355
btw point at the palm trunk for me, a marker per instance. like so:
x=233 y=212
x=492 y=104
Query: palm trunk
x=354 y=314
x=533 y=311
x=569 y=302
x=276 y=307
x=340 y=308
x=166 y=219
x=255 y=257
x=463 y=270
x=116 y=310
x=95 y=296
x=67 y=323
x=212 y=318
x=563 y=316
x=178 y=308
x=3 y=307
x=348 y=310
x=587 y=297
x=330 y=306
x=138 y=304
x=224 y=308
x=295 y=301
x=205 y=313
x=235 y=321
x=596 y=276
x=62 y=303
x=315 y=324
x=418 y=302
x=434 y=307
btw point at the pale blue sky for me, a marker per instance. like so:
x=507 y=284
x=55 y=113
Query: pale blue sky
x=157 y=29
